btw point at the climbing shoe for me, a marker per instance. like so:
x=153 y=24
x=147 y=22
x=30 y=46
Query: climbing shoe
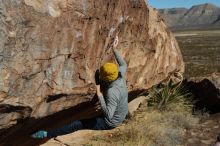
x=40 y=134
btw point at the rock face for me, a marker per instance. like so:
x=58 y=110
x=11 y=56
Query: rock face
x=50 y=50
x=204 y=14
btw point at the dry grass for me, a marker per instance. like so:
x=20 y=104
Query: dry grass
x=162 y=124
x=152 y=128
x=158 y=129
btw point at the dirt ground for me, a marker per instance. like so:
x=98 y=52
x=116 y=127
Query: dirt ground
x=205 y=133
x=201 y=51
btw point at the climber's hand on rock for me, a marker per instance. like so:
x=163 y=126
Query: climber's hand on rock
x=115 y=44
x=98 y=90
x=123 y=54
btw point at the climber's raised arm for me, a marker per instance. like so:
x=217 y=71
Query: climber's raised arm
x=121 y=62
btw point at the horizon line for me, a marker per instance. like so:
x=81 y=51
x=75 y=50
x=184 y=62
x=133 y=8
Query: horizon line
x=185 y=7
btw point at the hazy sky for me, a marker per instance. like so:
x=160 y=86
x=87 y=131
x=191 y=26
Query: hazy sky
x=180 y=3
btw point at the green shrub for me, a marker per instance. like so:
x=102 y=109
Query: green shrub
x=165 y=97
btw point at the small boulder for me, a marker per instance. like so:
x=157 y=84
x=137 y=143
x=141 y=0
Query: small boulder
x=135 y=104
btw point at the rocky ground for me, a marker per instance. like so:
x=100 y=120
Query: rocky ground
x=205 y=133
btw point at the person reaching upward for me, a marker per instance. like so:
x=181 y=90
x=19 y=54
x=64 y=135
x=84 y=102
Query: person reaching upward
x=113 y=99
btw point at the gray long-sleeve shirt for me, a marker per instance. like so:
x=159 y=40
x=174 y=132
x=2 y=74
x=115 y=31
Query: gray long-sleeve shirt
x=115 y=101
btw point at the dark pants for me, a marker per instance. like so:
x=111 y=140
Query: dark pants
x=94 y=124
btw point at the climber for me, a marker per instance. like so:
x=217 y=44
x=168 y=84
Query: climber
x=113 y=97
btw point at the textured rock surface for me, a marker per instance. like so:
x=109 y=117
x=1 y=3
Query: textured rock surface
x=135 y=104
x=50 y=49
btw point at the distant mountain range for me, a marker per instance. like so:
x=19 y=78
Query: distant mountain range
x=203 y=15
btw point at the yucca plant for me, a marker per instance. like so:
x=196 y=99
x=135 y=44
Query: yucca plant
x=170 y=95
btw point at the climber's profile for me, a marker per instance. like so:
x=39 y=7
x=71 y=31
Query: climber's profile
x=113 y=98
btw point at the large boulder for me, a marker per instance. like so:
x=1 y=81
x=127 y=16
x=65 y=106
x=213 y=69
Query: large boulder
x=50 y=50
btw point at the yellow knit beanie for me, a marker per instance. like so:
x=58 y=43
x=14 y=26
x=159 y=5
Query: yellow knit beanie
x=109 y=72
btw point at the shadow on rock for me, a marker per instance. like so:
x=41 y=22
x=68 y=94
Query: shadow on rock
x=19 y=135
x=205 y=94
